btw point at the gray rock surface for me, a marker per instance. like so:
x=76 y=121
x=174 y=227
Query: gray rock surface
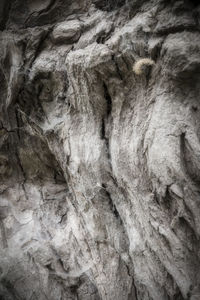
x=99 y=166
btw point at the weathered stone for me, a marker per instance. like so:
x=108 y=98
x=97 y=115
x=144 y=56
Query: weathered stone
x=99 y=164
x=68 y=31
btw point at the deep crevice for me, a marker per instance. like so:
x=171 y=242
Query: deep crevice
x=109 y=5
x=103 y=129
x=103 y=133
x=194 y=2
x=105 y=138
x=177 y=29
x=182 y=151
x=108 y=99
x=135 y=290
x=5 y=14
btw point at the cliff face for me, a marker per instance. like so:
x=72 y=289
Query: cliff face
x=99 y=166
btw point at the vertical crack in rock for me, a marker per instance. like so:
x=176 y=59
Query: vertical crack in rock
x=106 y=120
x=4 y=13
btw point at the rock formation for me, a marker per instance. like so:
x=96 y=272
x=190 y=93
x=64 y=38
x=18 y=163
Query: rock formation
x=99 y=165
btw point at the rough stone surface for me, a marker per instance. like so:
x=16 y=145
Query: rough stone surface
x=99 y=166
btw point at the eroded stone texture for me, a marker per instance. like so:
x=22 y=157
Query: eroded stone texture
x=99 y=166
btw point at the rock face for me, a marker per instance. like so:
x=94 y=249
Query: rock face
x=99 y=165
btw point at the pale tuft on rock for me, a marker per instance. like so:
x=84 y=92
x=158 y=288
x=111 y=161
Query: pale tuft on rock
x=140 y=65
